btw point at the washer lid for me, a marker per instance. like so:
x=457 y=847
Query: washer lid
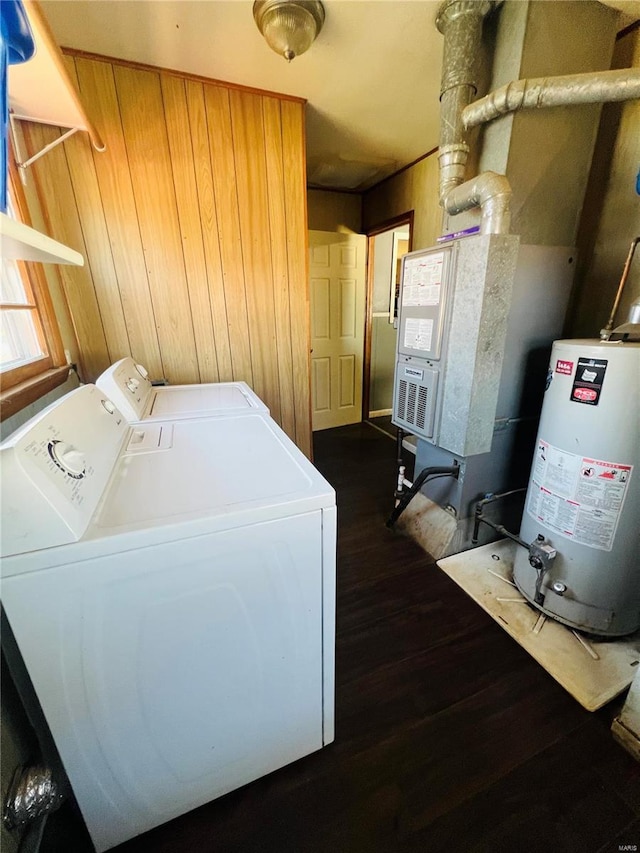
x=210 y=468
x=197 y=400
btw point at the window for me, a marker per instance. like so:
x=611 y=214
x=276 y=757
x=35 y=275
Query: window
x=32 y=359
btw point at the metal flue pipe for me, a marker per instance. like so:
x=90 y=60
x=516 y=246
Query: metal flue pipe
x=460 y=22
x=594 y=87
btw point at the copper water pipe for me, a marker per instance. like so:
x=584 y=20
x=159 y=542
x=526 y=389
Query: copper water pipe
x=623 y=281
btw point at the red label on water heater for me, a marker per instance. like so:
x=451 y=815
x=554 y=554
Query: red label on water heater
x=588 y=381
x=565 y=367
x=585 y=395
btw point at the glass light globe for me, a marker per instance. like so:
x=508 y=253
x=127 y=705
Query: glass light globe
x=289 y=26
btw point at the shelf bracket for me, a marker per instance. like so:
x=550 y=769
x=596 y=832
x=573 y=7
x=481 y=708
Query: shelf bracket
x=22 y=165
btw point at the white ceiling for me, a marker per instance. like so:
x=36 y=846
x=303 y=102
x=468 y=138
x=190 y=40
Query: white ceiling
x=371 y=79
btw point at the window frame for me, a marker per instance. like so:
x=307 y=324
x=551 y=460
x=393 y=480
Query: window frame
x=24 y=384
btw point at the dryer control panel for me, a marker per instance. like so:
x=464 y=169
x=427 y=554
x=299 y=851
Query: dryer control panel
x=55 y=470
x=129 y=386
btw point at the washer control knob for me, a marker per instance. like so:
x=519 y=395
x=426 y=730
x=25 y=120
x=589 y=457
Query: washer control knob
x=68 y=458
x=559 y=588
x=142 y=371
x=108 y=405
x=132 y=384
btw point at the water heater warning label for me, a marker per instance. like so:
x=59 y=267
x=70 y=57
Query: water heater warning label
x=578 y=497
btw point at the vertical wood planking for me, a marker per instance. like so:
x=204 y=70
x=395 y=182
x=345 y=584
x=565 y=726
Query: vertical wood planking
x=253 y=208
x=278 y=233
x=97 y=87
x=144 y=128
x=99 y=258
x=193 y=225
x=226 y=197
x=98 y=252
x=184 y=182
x=54 y=184
x=209 y=224
x=295 y=193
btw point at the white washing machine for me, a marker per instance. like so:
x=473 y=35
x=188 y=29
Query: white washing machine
x=172 y=594
x=127 y=385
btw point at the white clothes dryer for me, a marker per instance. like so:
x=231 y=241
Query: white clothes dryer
x=173 y=600
x=127 y=385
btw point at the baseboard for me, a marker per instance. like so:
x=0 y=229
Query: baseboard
x=380 y=413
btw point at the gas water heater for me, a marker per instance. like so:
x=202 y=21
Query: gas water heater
x=582 y=512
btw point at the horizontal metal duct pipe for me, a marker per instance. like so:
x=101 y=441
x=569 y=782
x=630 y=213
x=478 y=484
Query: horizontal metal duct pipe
x=593 y=87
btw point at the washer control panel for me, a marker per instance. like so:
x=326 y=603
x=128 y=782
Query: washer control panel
x=55 y=469
x=127 y=384
x=68 y=458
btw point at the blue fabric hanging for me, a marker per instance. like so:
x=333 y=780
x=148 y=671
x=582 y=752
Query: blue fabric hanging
x=16 y=45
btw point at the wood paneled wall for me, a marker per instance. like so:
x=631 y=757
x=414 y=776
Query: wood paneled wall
x=193 y=228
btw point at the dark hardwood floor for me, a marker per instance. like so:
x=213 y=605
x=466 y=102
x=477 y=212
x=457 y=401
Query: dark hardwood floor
x=449 y=737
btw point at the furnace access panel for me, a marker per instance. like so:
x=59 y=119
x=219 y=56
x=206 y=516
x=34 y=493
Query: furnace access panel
x=425 y=292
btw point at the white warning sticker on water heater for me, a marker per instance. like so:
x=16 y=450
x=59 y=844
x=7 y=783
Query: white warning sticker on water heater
x=578 y=497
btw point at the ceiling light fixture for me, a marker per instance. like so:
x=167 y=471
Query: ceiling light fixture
x=289 y=26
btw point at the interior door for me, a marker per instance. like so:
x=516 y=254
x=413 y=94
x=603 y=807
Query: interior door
x=337 y=270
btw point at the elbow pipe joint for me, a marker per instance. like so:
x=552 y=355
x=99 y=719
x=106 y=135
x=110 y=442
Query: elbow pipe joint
x=507 y=99
x=447 y=471
x=489 y=191
x=480 y=518
x=499 y=528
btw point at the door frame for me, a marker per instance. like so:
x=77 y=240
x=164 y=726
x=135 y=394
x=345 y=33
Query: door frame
x=388 y=225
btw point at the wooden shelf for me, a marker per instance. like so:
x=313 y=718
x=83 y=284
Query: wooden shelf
x=19 y=242
x=41 y=89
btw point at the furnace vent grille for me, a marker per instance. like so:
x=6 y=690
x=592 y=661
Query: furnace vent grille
x=415 y=402
x=412 y=403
